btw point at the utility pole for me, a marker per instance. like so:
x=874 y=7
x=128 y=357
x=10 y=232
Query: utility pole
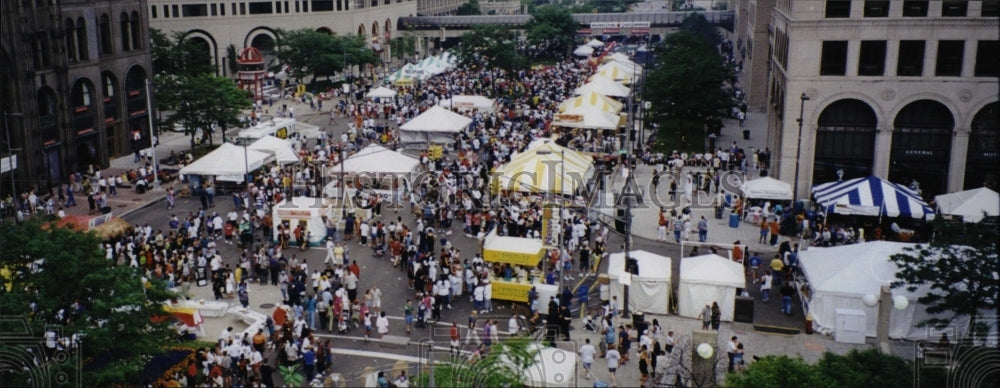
x=152 y=135
x=13 y=158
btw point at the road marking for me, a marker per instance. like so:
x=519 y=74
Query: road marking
x=370 y=354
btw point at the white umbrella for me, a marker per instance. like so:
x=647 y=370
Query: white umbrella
x=583 y=51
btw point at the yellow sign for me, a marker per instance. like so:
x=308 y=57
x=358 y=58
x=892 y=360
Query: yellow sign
x=281 y=133
x=516 y=258
x=514 y=292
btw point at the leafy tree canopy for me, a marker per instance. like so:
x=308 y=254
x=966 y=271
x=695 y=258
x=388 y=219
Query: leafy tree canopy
x=202 y=102
x=491 y=45
x=960 y=266
x=313 y=53
x=687 y=82
x=552 y=29
x=60 y=279
x=179 y=55
x=470 y=8
x=867 y=368
x=696 y=23
x=502 y=366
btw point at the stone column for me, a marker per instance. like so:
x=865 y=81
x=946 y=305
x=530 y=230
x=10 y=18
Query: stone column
x=883 y=151
x=959 y=155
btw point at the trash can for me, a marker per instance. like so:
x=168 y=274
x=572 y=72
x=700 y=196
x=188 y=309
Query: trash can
x=581 y=295
x=734 y=220
x=809 y=323
x=746 y=134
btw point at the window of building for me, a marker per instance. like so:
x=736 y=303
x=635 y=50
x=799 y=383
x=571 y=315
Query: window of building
x=70 y=40
x=322 y=5
x=911 y=58
x=243 y=8
x=834 y=59
x=297 y=6
x=152 y=12
x=222 y=9
x=838 y=9
x=234 y=9
x=949 y=58
x=136 y=28
x=954 y=8
x=876 y=9
x=81 y=39
x=166 y=11
x=104 y=26
x=990 y=8
x=261 y=7
x=189 y=10
x=174 y=10
x=987 y=53
x=872 y=58
x=215 y=9
x=125 y=32
x=915 y=9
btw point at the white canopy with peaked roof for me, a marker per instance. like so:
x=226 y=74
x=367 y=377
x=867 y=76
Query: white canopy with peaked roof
x=228 y=163
x=375 y=159
x=768 y=188
x=969 y=204
x=435 y=125
x=465 y=102
x=583 y=51
x=595 y=43
x=604 y=86
x=280 y=148
x=381 y=92
x=586 y=117
x=706 y=279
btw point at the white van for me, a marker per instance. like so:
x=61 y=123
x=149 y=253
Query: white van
x=280 y=127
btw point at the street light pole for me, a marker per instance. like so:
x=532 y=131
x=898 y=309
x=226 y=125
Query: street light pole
x=152 y=143
x=798 y=150
x=10 y=154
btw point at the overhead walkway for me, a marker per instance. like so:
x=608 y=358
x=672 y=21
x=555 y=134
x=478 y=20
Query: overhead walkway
x=722 y=19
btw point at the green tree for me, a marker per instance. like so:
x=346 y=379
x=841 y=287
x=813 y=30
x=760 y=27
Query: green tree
x=309 y=52
x=491 y=45
x=179 y=55
x=53 y=270
x=202 y=102
x=869 y=367
x=404 y=46
x=696 y=23
x=777 y=371
x=959 y=267
x=470 y=8
x=552 y=29
x=687 y=84
x=231 y=56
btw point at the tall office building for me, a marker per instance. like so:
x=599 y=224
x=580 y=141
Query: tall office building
x=904 y=90
x=73 y=86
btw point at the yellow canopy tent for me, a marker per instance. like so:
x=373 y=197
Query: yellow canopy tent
x=591 y=99
x=539 y=169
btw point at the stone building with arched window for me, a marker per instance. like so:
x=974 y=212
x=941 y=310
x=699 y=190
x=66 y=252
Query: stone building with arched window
x=73 y=78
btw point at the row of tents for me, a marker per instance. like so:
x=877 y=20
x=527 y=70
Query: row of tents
x=426 y=68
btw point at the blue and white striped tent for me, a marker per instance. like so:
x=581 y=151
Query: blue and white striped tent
x=871 y=196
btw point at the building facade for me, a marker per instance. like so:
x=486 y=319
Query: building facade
x=73 y=86
x=903 y=90
x=241 y=24
x=439 y=7
x=753 y=17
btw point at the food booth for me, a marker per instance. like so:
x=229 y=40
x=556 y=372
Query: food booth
x=523 y=255
x=305 y=211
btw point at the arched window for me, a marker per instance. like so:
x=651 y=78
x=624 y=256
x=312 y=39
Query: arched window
x=82 y=103
x=81 y=39
x=70 y=35
x=104 y=26
x=921 y=146
x=125 y=32
x=983 y=155
x=136 y=25
x=361 y=30
x=48 y=125
x=109 y=91
x=845 y=141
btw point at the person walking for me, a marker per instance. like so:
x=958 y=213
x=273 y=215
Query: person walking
x=765 y=287
x=702 y=229
x=731 y=352
x=382 y=324
x=643 y=365
x=587 y=353
x=613 y=357
x=787 y=291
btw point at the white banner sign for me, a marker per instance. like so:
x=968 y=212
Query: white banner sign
x=7 y=164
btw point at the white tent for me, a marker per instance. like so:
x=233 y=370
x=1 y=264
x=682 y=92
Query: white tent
x=841 y=276
x=595 y=43
x=228 y=163
x=969 y=204
x=435 y=125
x=583 y=51
x=462 y=103
x=768 y=188
x=706 y=279
x=591 y=100
x=375 y=159
x=381 y=92
x=586 y=117
x=603 y=86
x=280 y=148
x=649 y=291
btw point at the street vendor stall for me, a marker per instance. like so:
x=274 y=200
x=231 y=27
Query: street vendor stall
x=523 y=255
x=650 y=289
x=435 y=125
x=305 y=212
x=542 y=168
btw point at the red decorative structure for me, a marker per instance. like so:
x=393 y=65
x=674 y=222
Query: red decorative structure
x=251 y=71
